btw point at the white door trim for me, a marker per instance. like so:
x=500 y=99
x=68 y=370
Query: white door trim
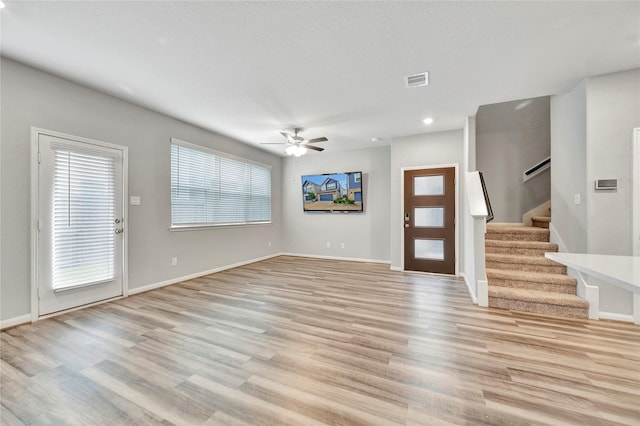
x=35 y=133
x=457 y=196
x=636 y=191
x=636 y=213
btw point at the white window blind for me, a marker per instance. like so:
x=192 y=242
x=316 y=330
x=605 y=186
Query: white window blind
x=208 y=188
x=83 y=218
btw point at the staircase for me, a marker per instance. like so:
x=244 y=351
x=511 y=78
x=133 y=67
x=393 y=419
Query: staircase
x=522 y=279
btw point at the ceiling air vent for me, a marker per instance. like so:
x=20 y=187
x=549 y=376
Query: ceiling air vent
x=417 y=80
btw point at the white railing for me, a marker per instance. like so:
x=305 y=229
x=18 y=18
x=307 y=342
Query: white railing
x=536 y=169
x=477 y=200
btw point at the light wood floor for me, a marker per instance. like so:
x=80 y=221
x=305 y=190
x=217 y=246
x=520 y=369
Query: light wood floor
x=305 y=342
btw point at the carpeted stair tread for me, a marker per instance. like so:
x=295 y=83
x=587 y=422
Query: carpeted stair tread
x=541 y=221
x=533 y=296
x=531 y=280
x=520 y=259
x=514 y=232
x=541 y=277
x=546 y=219
x=521 y=245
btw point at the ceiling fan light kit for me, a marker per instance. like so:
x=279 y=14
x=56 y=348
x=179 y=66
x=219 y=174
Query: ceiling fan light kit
x=296 y=150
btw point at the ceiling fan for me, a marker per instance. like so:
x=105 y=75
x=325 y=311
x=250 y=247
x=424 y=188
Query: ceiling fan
x=297 y=145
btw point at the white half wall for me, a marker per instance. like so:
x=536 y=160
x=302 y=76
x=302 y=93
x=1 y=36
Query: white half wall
x=467 y=234
x=35 y=98
x=429 y=149
x=365 y=235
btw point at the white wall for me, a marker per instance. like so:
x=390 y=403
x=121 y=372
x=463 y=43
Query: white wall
x=511 y=137
x=429 y=149
x=569 y=168
x=592 y=138
x=34 y=98
x=365 y=235
x=613 y=111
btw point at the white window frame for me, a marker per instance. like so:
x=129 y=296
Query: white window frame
x=212 y=225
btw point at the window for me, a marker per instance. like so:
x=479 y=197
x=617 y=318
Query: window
x=331 y=186
x=356 y=177
x=209 y=188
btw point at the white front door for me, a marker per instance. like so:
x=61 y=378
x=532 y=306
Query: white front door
x=80 y=222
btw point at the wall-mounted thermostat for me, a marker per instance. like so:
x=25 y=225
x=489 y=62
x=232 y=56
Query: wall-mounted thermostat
x=606 y=184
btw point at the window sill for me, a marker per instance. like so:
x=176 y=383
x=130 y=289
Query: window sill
x=217 y=226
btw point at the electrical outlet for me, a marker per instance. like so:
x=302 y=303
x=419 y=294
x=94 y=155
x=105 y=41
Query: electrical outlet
x=577 y=199
x=174 y=261
x=342 y=245
x=328 y=244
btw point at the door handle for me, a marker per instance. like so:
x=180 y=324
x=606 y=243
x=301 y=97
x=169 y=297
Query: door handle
x=119 y=231
x=406 y=225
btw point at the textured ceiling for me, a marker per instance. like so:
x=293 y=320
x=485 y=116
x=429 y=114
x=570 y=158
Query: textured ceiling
x=251 y=69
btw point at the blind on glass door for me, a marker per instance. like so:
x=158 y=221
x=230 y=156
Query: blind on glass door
x=211 y=189
x=83 y=218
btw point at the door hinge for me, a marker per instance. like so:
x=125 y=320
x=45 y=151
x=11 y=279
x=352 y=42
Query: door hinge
x=39 y=157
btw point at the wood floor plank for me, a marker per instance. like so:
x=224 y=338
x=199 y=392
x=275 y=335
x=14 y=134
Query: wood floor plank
x=305 y=341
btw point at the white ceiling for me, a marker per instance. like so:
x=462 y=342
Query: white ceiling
x=251 y=69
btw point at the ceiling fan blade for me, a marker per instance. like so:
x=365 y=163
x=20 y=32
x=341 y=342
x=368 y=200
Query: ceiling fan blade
x=315 y=148
x=314 y=140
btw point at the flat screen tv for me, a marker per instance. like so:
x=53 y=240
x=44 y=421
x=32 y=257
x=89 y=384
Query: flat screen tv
x=333 y=192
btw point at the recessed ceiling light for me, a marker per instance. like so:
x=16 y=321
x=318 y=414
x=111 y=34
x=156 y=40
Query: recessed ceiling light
x=2 y=5
x=428 y=121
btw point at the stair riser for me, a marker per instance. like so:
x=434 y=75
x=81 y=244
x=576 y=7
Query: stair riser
x=539 y=308
x=537 y=224
x=533 y=285
x=520 y=251
x=527 y=267
x=516 y=236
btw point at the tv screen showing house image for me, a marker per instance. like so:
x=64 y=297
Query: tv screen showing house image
x=333 y=192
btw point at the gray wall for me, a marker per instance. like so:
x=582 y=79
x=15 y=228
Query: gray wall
x=429 y=149
x=569 y=171
x=613 y=111
x=34 y=98
x=366 y=235
x=510 y=138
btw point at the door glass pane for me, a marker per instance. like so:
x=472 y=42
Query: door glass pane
x=428 y=249
x=428 y=217
x=428 y=185
x=83 y=222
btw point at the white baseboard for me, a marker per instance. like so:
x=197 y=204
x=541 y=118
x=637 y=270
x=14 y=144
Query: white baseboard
x=395 y=268
x=347 y=259
x=12 y=322
x=616 y=317
x=555 y=238
x=473 y=296
x=176 y=280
